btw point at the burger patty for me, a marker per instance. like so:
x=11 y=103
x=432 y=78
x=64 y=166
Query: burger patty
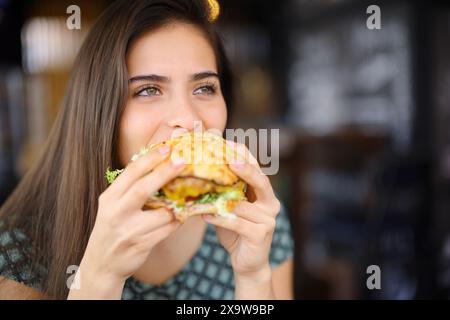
x=189 y=183
x=184 y=188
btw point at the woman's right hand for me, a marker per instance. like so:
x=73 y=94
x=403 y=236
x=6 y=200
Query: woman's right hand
x=124 y=234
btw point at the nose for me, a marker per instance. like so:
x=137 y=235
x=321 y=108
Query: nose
x=182 y=114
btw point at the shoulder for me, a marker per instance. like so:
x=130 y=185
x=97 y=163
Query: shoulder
x=13 y=290
x=15 y=262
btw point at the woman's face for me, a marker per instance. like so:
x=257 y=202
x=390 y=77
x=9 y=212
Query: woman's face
x=173 y=84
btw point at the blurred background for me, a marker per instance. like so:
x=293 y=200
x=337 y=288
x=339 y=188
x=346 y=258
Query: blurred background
x=364 y=118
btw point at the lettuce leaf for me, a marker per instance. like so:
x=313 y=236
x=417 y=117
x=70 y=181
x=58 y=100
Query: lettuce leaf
x=207 y=198
x=112 y=175
x=213 y=197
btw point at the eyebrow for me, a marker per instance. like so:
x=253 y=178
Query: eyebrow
x=159 y=78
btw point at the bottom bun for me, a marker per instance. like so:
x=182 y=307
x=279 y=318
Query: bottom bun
x=181 y=214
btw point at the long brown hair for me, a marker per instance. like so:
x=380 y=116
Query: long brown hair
x=55 y=203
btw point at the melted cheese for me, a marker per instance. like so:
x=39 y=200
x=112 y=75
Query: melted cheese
x=178 y=192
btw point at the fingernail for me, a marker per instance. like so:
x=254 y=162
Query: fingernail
x=164 y=149
x=237 y=164
x=230 y=143
x=207 y=216
x=177 y=161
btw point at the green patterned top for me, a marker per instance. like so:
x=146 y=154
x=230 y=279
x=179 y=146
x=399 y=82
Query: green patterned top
x=208 y=275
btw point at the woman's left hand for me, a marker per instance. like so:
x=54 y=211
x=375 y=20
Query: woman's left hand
x=248 y=237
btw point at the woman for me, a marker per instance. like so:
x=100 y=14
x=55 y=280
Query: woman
x=147 y=68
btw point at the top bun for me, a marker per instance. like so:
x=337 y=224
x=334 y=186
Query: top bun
x=206 y=156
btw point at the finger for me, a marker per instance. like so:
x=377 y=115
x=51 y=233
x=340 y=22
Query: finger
x=135 y=170
x=157 y=235
x=239 y=225
x=253 y=212
x=252 y=175
x=143 y=188
x=246 y=157
x=242 y=154
x=153 y=219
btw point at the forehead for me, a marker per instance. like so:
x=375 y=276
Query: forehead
x=177 y=48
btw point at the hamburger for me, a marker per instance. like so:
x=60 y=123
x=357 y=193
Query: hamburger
x=205 y=186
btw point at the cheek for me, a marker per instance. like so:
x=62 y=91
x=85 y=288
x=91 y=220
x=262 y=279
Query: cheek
x=137 y=126
x=215 y=117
